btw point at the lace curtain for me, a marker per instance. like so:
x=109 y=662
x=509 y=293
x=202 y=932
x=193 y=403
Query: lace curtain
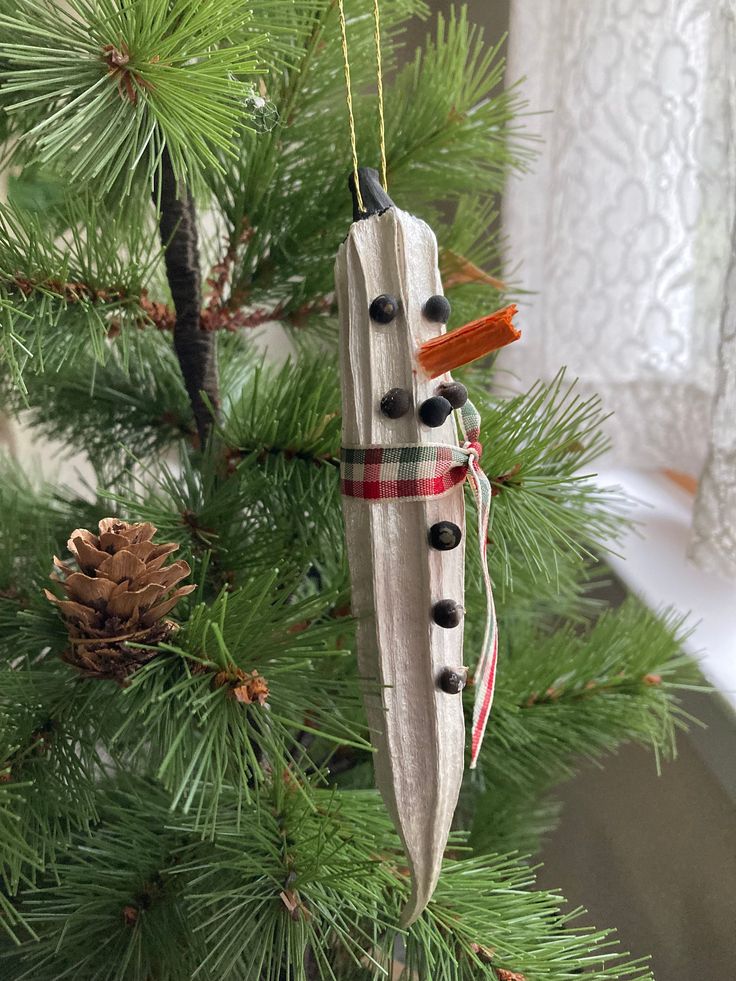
x=624 y=229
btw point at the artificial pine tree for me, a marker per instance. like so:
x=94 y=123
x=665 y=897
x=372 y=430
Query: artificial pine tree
x=186 y=788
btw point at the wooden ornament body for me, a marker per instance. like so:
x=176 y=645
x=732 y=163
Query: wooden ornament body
x=417 y=729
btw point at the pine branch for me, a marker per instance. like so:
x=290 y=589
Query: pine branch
x=34 y=521
x=292 y=411
x=195 y=348
x=97 y=90
x=68 y=280
x=460 y=136
x=304 y=871
x=261 y=516
x=213 y=819
x=131 y=902
x=226 y=696
x=48 y=736
x=136 y=398
x=565 y=697
x=289 y=184
x=326 y=873
x=540 y=446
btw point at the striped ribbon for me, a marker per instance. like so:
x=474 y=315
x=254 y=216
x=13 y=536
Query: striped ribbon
x=419 y=472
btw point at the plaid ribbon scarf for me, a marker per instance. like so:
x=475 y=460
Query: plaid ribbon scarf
x=415 y=473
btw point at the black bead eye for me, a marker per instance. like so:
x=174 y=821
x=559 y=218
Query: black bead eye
x=453 y=682
x=396 y=403
x=384 y=308
x=437 y=309
x=445 y=536
x=455 y=393
x=447 y=614
x=435 y=411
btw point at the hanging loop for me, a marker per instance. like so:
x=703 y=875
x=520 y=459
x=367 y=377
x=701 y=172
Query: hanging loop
x=379 y=82
x=349 y=93
x=349 y=97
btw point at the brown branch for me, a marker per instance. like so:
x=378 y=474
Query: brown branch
x=75 y=291
x=153 y=891
x=230 y=316
x=121 y=71
x=249 y=688
x=218 y=309
x=39 y=743
x=217 y=314
x=591 y=688
x=505 y=480
x=233 y=456
x=71 y=291
x=159 y=314
x=242 y=686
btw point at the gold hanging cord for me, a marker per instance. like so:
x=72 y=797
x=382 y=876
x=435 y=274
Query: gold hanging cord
x=349 y=94
x=379 y=79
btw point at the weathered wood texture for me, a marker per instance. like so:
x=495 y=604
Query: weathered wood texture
x=417 y=729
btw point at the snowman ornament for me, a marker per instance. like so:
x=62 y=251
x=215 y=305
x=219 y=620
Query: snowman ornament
x=410 y=443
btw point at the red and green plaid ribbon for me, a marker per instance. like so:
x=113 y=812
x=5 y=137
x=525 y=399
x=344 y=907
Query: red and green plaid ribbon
x=415 y=473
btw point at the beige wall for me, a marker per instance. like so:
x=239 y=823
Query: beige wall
x=492 y=14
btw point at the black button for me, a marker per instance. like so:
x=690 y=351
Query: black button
x=434 y=411
x=453 y=682
x=384 y=308
x=437 y=309
x=455 y=393
x=447 y=614
x=396 y=403
x=445 y=536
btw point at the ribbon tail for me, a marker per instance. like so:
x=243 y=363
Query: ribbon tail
x=485 y=688
x=485 y=672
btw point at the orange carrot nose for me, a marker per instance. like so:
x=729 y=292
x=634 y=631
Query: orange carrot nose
x=469 y=343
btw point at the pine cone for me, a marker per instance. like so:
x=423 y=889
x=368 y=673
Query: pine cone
x=118 y=599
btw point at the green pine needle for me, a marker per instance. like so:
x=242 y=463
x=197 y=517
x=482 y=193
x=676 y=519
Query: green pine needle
x=107 y=85
x=215 y=819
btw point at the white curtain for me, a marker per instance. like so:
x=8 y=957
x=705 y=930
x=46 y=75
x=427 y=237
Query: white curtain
x=624 y=229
